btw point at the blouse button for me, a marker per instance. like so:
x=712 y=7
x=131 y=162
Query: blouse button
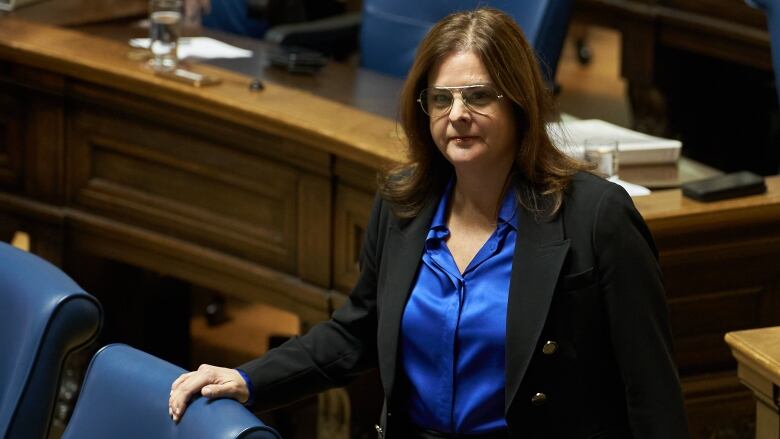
x=550 y=347
x=539 y=399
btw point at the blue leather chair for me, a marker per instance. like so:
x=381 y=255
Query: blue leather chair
x=125 y=396
x=392 y=29
x=772 y=9
x=232 y=16
x=44 y=316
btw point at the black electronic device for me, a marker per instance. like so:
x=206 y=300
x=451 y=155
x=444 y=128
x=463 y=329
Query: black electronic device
x=297 y=59
x=737 y=184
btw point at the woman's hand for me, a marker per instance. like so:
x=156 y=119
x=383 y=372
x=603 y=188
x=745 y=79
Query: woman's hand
x=209 y=381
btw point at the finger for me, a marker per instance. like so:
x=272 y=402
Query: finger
x=184 y=392
x=218 y=391
x=229 y=389
x=183 y=377
x=175 y=385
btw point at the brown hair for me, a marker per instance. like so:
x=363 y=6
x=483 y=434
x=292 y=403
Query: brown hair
x=497 y=40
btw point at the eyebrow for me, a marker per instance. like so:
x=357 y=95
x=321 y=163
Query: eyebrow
x=455 y=87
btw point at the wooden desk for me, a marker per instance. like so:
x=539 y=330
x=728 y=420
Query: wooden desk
x=265 y=196
x=758 y=353
x=76 y=12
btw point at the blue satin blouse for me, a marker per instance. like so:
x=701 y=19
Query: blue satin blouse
x=453 y=330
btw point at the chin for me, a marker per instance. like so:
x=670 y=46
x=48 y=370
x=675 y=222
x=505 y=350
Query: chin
x=457 y=154
x=465 y=162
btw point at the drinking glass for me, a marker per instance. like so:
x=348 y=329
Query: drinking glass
x=164 y=19
x=604 y=154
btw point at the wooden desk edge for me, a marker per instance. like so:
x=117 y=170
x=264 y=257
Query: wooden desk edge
x=669 y=209
x=754 y=356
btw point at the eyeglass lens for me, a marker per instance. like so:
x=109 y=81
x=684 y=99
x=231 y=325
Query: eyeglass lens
x=437 y=101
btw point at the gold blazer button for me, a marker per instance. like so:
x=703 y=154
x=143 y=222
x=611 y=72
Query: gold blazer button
x=539 y=399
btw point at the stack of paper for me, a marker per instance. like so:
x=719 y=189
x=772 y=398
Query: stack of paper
x=200 y=47
x=633 y=190
x=633 y=147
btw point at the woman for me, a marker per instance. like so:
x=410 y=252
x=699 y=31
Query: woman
x=503 y=291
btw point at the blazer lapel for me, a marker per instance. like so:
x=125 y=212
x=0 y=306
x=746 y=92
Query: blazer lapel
x=404 y=246
x=540 y=251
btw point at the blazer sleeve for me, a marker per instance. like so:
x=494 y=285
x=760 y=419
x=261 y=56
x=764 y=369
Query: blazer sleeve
x=333 y=352
x=633 y=291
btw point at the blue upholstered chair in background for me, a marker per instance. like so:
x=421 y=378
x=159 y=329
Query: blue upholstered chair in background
x=772 y=9
x=44 y=316
x=125 y=396
x=392 y=29
x=232 y=16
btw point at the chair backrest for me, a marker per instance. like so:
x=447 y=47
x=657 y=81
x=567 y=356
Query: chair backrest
x=44 y=316
x=232 y=16
x=392 y=29
x=772 y=9
x=125 y=396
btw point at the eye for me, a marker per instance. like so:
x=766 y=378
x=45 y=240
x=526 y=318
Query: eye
x=480 y=97
x=440 y=99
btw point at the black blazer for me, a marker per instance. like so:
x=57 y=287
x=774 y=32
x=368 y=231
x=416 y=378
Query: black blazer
x=586 y=281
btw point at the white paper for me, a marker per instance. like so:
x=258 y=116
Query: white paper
x=634 y=190
x=633 y=147
x=200 y=47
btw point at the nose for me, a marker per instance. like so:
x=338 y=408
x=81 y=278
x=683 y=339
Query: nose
x=459 y=110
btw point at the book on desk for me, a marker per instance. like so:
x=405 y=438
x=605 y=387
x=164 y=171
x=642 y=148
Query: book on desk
x=634 y=148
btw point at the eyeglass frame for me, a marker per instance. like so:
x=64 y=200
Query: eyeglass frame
x=460 y=89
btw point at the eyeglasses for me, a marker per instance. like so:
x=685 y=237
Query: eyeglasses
x=479 y=98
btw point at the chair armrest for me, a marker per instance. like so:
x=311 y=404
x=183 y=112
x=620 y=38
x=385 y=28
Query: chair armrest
x=758 y=4
x=335 y=36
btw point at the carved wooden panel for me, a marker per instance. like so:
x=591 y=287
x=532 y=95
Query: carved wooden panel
x=718 y=407
x=699 y=322
x=166 y=179
x=45 y=148
x=720 y=281
x=11 y=120
x=353 y=208
x=31 y=131
x=314 y=230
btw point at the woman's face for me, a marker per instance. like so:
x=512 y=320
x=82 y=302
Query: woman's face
x=481 y=137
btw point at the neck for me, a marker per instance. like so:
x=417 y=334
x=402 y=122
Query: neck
x=478 y=194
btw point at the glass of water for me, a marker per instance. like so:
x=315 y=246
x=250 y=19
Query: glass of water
x=603 y=153
x=164 y=19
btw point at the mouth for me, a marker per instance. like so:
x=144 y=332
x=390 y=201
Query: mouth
x=463 y=139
